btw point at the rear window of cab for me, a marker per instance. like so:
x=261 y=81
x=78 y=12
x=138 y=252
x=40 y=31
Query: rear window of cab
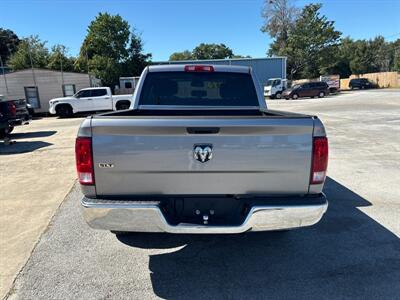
x=198 y=89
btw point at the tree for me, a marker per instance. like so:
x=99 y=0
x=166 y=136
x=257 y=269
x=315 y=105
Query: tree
x=29 y=48
x=105 y=51
x=211 y=51
x=279 y=18
x=185 y=55
x=58 y=60
x=137 y=60
x=396 y=56
x=381 y=54
x=344 y=57
x=206 y=51
x=110 y=50
x=312 y=44
x=365 y=56
x=8 y=43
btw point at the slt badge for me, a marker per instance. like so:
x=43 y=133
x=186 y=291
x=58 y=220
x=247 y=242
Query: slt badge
x=202 y=153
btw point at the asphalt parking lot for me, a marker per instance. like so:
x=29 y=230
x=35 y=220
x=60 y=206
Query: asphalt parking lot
x=353 y=253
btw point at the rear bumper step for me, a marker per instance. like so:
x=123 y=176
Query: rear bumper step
x=146 y=216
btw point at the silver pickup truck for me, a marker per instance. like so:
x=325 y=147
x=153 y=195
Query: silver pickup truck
x=199 y=152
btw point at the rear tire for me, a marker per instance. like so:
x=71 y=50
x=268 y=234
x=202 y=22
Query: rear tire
x=278 y=95
x=64 y=111
x=295 y=96
x=321 y=95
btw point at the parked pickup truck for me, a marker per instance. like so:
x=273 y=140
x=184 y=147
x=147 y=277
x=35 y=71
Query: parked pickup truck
x=8 y=114
x=199 y=152
x=12 y=113
x=90 y=99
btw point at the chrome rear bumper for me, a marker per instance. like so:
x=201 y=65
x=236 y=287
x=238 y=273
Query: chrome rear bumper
x=146 y=216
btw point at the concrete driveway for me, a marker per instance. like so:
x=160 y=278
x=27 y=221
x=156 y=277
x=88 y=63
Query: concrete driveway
x=354 y=252
x=37 y=172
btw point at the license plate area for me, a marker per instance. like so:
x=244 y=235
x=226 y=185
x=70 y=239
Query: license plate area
x=226 y=211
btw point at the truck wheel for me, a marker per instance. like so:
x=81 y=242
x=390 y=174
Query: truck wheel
x=321 y=94
x=295 y=96
x=278 y=95
x=64 y=111
x=123 y=105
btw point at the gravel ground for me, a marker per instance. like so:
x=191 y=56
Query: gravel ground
x=353 y=253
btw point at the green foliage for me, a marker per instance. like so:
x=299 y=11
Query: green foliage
x=111 y=49
x=343 y=58
x=58 y=60
x=366 y=56
x=31 y=47
x=185 y=55
x=314 y=47
x=137 y=60
x=212 y=51
x=8 y=43
x=312 y=44
x=105 y=68
x=396 y=55
x=204 y=51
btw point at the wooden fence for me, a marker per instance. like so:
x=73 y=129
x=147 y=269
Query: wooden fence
x=382 y=79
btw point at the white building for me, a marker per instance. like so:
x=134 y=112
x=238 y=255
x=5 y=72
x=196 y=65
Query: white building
x=38 y=86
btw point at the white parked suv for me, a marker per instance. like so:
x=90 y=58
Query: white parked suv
x=89 y=99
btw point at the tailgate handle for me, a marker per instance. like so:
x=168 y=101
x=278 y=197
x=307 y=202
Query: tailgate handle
x=202 y=130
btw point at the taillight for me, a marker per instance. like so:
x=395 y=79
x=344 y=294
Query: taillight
x=199 y=68
x=319 y=160
x=84 y=160
x=12 y=108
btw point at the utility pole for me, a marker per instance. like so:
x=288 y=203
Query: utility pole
x=4 y=74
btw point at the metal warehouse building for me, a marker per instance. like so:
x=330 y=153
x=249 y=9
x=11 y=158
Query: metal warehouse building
x=264 y=68
x=38 y=86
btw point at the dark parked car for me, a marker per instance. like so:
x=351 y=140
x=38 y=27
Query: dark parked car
x=8 y=113
x=361 y=83
x=310 y=89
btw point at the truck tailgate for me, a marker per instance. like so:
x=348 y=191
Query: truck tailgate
x=138 y=156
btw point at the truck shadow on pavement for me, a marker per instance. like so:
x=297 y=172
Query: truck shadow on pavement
x=22 y=147
x=34 y=134
x=346 y=255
